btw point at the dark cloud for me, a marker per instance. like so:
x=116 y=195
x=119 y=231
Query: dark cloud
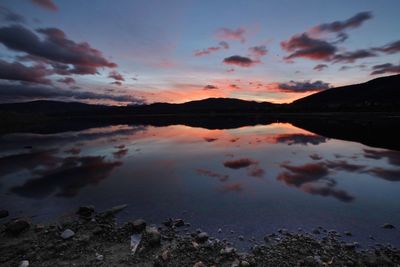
x=239 y=163
x=393 y=157
x=14 y=93
x=315 y=156
x=116 y=76
x=205 y=172
x=256 y=171
x=232 y=187
x=392 y=175
x=390 y=48
x=342 y=165
x=116 y=83
x=385 y=68
x=55 y=48
x=339 y=26
x=18 y=72
x=240 y=61
x=68 y=178
x=47 y=4
x=120 y=153
x=350 y=57
x=8 y=15
x=73 y=151
x=320 y=67
x=327 y=191
x=302 y=139
x=67 y=80
x=209 y=50
x=312 y=179
x=210 y=139
x=210 y=87
x=258 y=51
x=307 y=47
x=300 y=87
x=230 y=34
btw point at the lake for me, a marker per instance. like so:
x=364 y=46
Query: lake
x=245 y=180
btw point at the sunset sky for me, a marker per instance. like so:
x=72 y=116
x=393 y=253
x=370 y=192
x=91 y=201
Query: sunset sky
x=131 y=52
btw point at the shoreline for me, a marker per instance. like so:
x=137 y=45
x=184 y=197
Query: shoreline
x=91 y=238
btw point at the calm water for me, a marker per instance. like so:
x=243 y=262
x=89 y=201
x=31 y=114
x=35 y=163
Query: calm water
x=252 y=180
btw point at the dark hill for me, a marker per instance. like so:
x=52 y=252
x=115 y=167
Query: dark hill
x=381 y=94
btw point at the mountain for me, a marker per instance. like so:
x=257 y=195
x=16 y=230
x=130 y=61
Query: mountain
x=381 y=94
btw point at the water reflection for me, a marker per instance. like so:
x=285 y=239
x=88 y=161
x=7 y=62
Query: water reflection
x=214 y=174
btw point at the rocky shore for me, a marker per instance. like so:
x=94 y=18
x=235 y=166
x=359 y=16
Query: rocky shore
x=91 y=238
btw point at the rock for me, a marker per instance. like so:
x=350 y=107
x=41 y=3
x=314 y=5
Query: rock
x=241 y=238
x=139 y=225
x=199 y=264
x=165 y=255
x=219 y=230
x=202 y=237
x=153 y=236
x=316 y=232
x=39 y=228
x=99 y=257
x=24 y=263
x=227 y=251
x=168 y=222
x=68 y=233
x=266 y=239
x=85 y=211
x=244 y=264
x=179 y=223
x=388 y=226
x=17 y=227
x=114 y=210
x=348 y=233
x=351 y=245
x=3 y=214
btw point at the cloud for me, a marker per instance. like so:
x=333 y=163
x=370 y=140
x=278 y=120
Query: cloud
x=240 y=61
x=120 y=153
x=116 y=76
x=300 y=87
x=68 y=178
x=350 y=57
x=315 y=156
x=303 y=139
x=258 y=51
x=385 y=68
x=8 y=15
x=209 y=50
x=339 y=26
x=327 y=191
x=306 y=47
x=392 y=175
x=393 y=157
x=55 y=49
x=390 y=48
x=67 y=80
x=342 y=165
x=239 y=163
x=17 y=72
x=47 y=4
x=232 y=187
x=210 y=87
x=210 y=139
x=14 y=93
x=221 y=177
x=320 y=67
x=231 y=34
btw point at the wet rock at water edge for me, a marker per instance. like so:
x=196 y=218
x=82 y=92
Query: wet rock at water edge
x=85 y=211
x=388 y=226
x=3 y=214
x=179 y=223
x=67 y=234
x=114 y=210
x=202 y=237
x=153 y=236
x=139 y=225
x=17 y=227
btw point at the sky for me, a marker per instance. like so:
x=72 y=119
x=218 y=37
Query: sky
x=133 y=52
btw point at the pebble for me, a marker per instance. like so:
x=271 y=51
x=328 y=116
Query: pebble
x=202 y=237
x=241 y=238
x=199 y=264
x=139 y=225
x=3 y=214
x=388 y=226
x=68 y=233
x=18 y=226
x=85 y=211
x=153 y=235
x=99 y=257
x=24 y=263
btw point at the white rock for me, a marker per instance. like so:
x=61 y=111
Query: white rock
x=24 y=263
x=99 y=257
x=68 y=233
